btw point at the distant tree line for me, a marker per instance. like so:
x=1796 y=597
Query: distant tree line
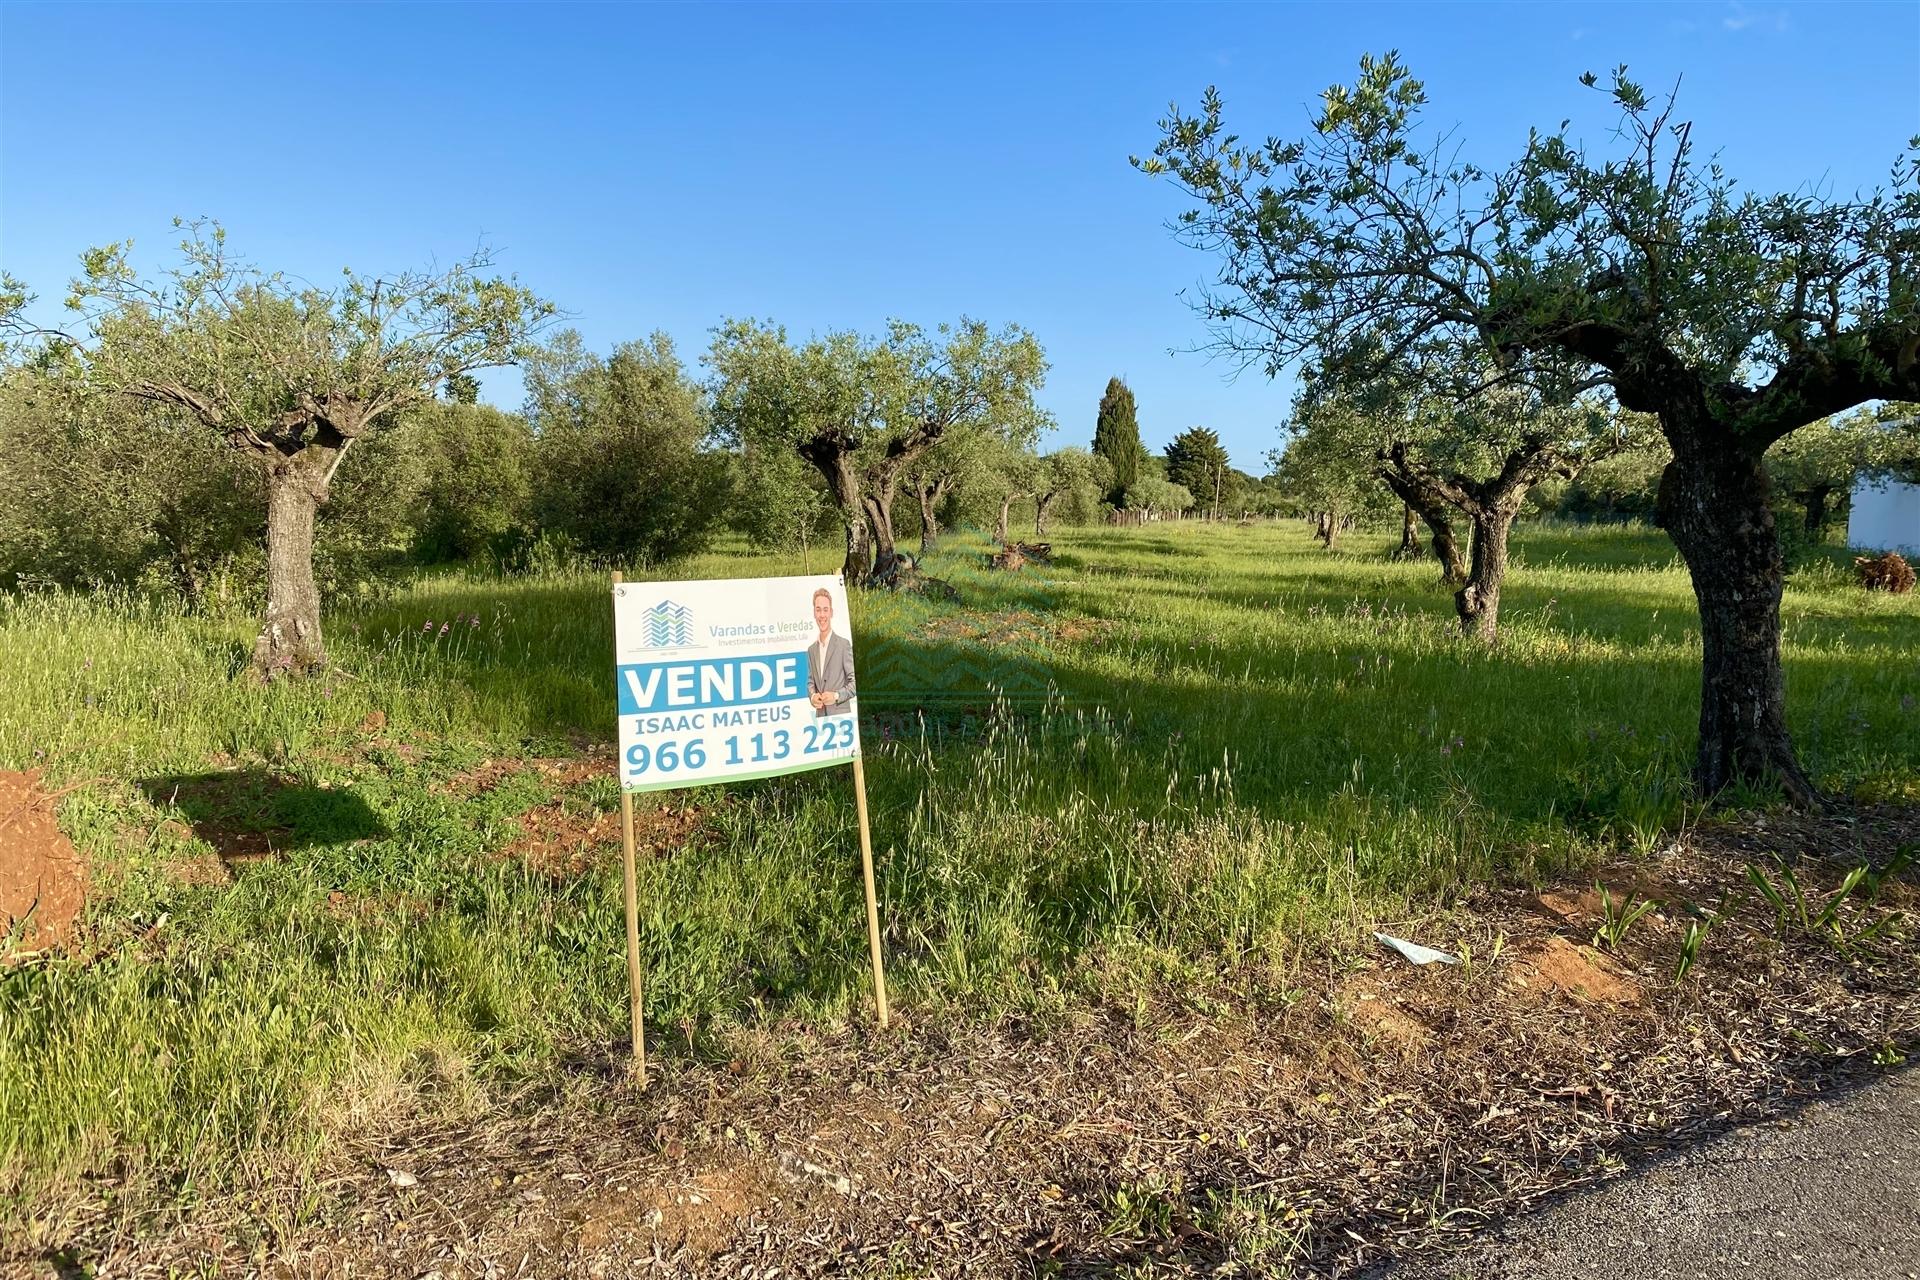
x=239 y=438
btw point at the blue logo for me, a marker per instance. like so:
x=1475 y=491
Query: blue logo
x=666 y=626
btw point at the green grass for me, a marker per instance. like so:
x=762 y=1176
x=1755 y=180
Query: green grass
x=1183 y=750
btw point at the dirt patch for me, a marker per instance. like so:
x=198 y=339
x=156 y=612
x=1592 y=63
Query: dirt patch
x=1370 y=1004
x=1016 y=626
x=202 y=870
x=562 y=842
x=43 y=879
x=561 y=771
x=1559 y=965
x=698 y=1215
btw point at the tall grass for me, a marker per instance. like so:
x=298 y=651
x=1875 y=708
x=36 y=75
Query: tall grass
x=1177 y=751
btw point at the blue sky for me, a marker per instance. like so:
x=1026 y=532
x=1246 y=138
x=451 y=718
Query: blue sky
x=829 y=167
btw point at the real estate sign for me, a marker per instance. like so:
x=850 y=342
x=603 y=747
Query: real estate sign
x=728 y=679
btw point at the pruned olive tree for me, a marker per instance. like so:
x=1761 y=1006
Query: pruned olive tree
x=291 y=376
x=1734 y=318
x=861 y=412
x=1475 y=460
x=960 y=460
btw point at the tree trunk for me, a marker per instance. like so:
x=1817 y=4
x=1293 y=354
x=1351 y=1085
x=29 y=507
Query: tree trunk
x=929 y=496
x=1713 y=503
x=1446 y=549
x=832 y=456
x=1816 y=499
x=1006 y=516
x=878 y=503
x=1326 y=528
x=289 y=642
x=1433 y=509
x=1043 y=506
x=1409 y=548
x=1478 y=600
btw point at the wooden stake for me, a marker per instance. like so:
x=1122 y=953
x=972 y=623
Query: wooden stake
x=634 y=981
x=873 y=905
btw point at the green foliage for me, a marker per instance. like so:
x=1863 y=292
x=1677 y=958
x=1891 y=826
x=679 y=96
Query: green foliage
x=1157 y=497
x=1372 y=239
x=1623 y=486
x=1116 y=438
x=477 y=467
x=1616 y=918
x=1071 y=484
x=1692 y=943
x=779 y=502
x=1197 y=460
x=620 y=466
x=367 y=528
x=1818 y=465
x=100 y=489
x=1806 y=912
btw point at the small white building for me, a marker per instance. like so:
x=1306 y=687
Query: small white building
x=1885 y=515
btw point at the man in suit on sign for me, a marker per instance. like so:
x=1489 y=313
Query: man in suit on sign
x=829 y=663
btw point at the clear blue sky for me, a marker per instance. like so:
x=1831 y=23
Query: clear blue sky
x=829 y=167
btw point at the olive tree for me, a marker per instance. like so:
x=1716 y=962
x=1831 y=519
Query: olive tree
x=1819 y=463
x=291 y=376
x=620 y=468
x=861 y=412
x=1072 y=480
x=1735 y=318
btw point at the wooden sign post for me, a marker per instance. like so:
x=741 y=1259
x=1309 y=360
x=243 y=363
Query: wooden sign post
x=726 y=680
x=635 y=983
x=873 y=903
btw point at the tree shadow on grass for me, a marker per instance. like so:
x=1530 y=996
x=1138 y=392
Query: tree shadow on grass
x=248 y=815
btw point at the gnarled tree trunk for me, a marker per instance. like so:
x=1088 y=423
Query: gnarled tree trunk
x=1817 y=512
x=929 y=494
x=877 y=502
x=1433 y=511
x=289 y=642
x=1043 y=506
x=1409 y=548
x=1478 y=599
x=831 y=454
x=1713 y=503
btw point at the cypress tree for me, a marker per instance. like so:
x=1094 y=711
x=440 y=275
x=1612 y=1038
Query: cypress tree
x=1116 y=437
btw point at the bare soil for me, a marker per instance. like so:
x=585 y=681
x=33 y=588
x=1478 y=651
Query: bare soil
x=1345 y=1111
x=43 y=879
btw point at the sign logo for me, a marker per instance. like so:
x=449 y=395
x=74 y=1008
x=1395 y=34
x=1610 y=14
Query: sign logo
x=666 y=626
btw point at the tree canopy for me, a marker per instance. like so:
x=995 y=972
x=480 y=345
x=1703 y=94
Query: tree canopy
x=861 y=411
x=1733 y=317
x=290 y=375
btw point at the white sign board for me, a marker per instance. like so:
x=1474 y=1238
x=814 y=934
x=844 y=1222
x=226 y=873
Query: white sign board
x=732 y=679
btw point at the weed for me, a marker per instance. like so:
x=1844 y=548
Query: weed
x=1691 y=944
x=1616 y=918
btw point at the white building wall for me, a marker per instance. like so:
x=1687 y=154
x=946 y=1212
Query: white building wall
x=1885 y=516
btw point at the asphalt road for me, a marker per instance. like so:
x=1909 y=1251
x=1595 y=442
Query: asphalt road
x=1831 y=1192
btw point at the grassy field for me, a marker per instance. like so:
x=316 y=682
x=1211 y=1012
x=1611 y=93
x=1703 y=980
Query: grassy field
x=1178 y=751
